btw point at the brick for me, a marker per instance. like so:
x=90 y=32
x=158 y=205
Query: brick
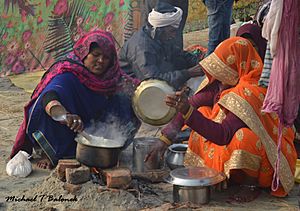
x=117 y=178
x=78 y=176
x=71 y=188
x=155 y=175
x=62 y=165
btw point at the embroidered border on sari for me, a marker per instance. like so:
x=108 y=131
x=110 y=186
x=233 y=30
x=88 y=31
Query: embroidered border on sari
x=203 y=84
x=192 y=159
x=219 y=70
x=242 y=109
x=45 y=145
x=241 y=159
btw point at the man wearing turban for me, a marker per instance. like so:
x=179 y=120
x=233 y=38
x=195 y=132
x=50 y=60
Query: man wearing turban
x=182 y=4
x=151 y=53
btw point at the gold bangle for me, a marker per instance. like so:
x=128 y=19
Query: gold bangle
x=165 y=140
x=50 y=105
x=188 y=114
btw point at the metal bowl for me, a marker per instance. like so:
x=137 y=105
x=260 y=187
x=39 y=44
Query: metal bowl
x=149 y=102
x=93 y=156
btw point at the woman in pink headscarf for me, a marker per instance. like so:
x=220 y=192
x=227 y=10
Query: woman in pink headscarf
x=86 y=86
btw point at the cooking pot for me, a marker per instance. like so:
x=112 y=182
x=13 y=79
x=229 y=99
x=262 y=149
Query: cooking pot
x=175 y=155
x=149 y=102
x=101 y=156
x=141 y=148
x=192 y=184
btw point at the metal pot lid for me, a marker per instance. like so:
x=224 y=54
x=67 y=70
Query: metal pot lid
x=149 y=102
x=195 y=176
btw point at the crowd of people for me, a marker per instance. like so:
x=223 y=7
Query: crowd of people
x=230 y=133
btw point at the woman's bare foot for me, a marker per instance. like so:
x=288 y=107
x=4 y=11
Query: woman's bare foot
x=44 y=162
x=246 y=193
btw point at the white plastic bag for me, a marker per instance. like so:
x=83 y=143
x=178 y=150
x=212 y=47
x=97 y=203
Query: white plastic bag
x=19 y=165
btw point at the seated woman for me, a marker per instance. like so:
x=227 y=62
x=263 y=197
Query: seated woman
x=87 y=86
x=230 y=134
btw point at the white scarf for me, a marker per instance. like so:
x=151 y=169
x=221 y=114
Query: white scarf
x=157 y=19
x=272 y=23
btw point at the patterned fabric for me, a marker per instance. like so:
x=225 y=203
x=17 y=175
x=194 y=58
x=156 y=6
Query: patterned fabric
x=252 y=149
x=24 y=24
x=265 y=75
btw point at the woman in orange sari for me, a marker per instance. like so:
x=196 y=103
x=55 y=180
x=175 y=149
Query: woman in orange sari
x=230 y=134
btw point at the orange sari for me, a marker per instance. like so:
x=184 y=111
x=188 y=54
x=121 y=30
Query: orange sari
x=254 y=149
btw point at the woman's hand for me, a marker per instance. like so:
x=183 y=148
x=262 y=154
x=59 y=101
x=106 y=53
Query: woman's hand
x=156 y=150
x=179 y=101
x=74 y=122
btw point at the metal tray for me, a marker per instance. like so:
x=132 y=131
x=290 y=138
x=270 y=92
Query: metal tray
x=149 y=102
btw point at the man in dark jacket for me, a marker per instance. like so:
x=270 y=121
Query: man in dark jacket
x=149 y=53
x=182 y=4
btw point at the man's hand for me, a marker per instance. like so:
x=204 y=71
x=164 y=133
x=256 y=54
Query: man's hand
x=195 y=71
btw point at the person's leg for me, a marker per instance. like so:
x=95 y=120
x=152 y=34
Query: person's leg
x=226 y=10
x=214 y=24
x=219 y=18
x=184 y=5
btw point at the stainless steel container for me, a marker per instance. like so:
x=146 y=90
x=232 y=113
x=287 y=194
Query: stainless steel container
x=141 y=148
x=192 y=184
x=175 y=155
x=196 y=195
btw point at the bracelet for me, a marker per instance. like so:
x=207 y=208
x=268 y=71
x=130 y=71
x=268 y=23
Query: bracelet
x=188 y=114
x=165 y=140
x=50 y=105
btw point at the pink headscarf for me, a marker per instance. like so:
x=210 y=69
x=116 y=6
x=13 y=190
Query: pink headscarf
x=106 y=83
